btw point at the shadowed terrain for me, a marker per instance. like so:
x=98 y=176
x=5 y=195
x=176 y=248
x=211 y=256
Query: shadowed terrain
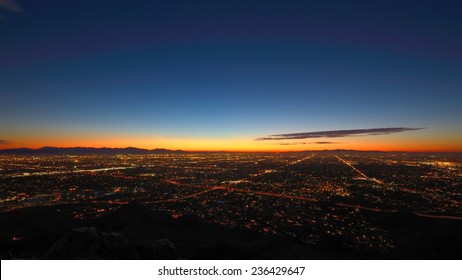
x=136 y=232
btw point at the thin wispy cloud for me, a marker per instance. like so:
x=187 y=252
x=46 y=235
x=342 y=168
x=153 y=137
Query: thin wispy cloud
x=337 y=133
x=306 y=143
x=5 y=142
x=10 y=5
x=291 y=144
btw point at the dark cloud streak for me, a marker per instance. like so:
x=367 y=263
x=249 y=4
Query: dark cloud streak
x=5 y=142
x=337 y=133
x=306 y=143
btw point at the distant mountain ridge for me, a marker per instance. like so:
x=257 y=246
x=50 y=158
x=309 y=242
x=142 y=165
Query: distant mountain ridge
x=47 y=150
x=87 y=151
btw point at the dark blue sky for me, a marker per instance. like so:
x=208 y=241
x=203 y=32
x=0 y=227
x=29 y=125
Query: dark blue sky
x=224 y=70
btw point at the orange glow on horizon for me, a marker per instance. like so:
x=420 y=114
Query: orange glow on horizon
x=418 y=141
x=246 y=144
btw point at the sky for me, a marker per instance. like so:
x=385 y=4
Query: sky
x=231 y=75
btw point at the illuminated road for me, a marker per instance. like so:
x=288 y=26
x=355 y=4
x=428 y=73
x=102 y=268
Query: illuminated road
x=280 y=167
x=298 y=161
x=183 y=197
x=176 y=183
x=359 y=171
x=438 y=216
x=366 y=208
x=230 y=189
x=277 y=195
x=249 y=192
x=71 y=171
x=205 y=188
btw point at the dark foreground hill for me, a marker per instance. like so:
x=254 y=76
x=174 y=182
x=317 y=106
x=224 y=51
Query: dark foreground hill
x=135 y=232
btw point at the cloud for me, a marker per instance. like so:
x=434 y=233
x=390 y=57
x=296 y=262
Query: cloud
x=306 y=143
x=5 y=142
x=294 y=143
x=337 y=133
x=10 y=5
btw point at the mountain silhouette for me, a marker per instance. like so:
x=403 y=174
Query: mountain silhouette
x=87 y=151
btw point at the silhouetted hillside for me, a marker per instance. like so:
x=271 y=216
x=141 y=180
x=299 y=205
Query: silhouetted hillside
x=136 y=232
x=46 y=232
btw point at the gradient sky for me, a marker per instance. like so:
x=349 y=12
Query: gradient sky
x=216 y=75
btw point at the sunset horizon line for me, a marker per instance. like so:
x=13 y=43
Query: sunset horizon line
x=230 y=150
